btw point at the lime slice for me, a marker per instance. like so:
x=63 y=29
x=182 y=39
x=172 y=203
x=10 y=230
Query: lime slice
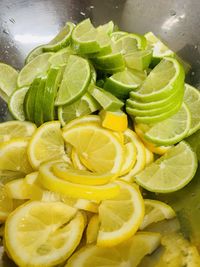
x=16 y=103
x=129 y=43
x=38 y=66
x=192 y=100
x=52 y=83
x=93 y=74
x=121 y=83
x=160 y=50
x=84 y=106
x=39 y=105
x=105 y=99
x=84 y=38
x=171 y=130
x=75 y=80
x=61 y=57
x=8 y=81
x=175 y=96
x=107 y=28
x=162 y=81
x=34 y=53
x=29 y=100
x=138 y=60
x=117 y=35
x=62 y=39
x=171 y=171
x=110 y=63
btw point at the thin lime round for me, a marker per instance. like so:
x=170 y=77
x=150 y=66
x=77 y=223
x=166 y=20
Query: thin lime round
x=75 y=80
x=61 y=40
x=171 y=171
x=171 y=130
x=38 y=66
x=16 y=103
x=192 y=100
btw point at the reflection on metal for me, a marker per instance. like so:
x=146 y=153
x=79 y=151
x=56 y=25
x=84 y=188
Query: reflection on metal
x=171 y=22
x=32 y=39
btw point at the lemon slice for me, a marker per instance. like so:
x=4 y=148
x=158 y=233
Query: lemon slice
x=92 y=229
x=47 y=144
x=128 y=253
x=13 y=157
x=76 y=161
x=55 y=184
x=6 y=203
x=84 y=119
x=65 y=172
x=156 y=211
x=81 y=204
x=14 y=129
x=121 y=216
x=17 y=189
x=115 y=121
x=42 y=233
x=141 y=155
x=98 y=148
x=130 y=157
x=149 y=156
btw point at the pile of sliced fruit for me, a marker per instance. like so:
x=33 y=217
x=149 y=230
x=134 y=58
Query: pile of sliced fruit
x=101 y=116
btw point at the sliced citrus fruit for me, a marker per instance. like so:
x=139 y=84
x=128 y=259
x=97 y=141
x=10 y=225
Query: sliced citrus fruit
x=121 y=83
x=140 y=130
x=47 y=144
x=170 y=172
x=8 y=81
x=138 y=60
x=92 y=229
x=81 y=204
x=156 y=211
x=6 y=203
x=105 y=99
x=16 y=103
x=55 y=184
x=75 y=80
x=131 y=136
x=38 y=66
x=128 y=253
x=83 y=106
x=121 y=216
x=84 y=119
x=162 y=81
x=39 y=104
x=66 y=172
x=49 y=231
x=18 y=189
x=192 y=100
x=114 y=120
x=13 y=156
x=117 y=34
x=62 y=39
x=149 y=156
x=76 y=160
x=34 y=53
x=171 y=130
x=98 y=148
x=15 y=129
x=61 y=57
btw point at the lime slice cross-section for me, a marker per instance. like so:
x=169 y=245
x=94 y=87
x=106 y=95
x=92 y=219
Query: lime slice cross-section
x=75 y=80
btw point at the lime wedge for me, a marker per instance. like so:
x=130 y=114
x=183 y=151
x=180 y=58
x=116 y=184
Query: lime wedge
x=110 y=63
x=175 y=96
x=75 y=80
x=29 y=100
x=171 y=130
x=39 y=105
x=62 y=39
x=105 y=99
x=162 y=81
x=38 y=66
x=192 y=100
x=121 y=83
x=84 y=38
x=129 y=43
x=61 y=57
x=16 y=103
x=107 y=28
x=117 y=35
x=34 y=53
x=52 y=83
x=8 y=81
x=93 y=74
x=160 y=50
x=171 y=171
x=84 y=106
x=138 y=60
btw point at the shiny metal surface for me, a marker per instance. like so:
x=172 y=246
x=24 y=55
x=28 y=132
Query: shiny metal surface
x=25 y=24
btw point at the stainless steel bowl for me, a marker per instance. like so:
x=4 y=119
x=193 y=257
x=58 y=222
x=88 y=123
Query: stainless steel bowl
x=26 y=24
